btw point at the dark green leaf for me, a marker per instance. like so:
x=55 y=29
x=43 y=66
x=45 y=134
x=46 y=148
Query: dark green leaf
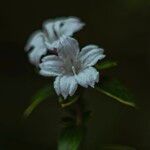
x=70 y=138
x=106 y=65
x=115 y=90
x=41 y=95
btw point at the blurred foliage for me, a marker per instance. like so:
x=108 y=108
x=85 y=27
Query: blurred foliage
x=106 y=65
x=118 y=147
x=71 y=138
x=41 y=95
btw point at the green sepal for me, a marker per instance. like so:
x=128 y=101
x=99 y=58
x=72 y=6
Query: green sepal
x=106 y=65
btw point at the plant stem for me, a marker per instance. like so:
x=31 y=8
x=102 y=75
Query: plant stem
x=79 y=108
x=79 y=115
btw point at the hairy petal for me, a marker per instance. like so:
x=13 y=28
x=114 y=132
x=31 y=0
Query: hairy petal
x=51 y=66
x=65 y=85
x=36 y=46
x=90 y=54
x=87 y=77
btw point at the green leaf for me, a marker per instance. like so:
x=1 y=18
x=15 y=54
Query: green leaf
x=115 y=90
x=70 y=138
x=41 y=95
x=118 y=147
x=106 y=65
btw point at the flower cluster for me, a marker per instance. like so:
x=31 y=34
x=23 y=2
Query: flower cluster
x=57 y=54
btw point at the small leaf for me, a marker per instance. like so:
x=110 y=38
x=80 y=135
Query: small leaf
x=70 y=138
x=41 y=95
x=118 y=147
x=106 y=65
x=115 y=90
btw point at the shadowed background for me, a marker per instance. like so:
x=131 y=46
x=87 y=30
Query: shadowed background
x=122 y=28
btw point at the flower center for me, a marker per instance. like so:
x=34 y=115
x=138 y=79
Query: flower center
x=73 y=70
x=71 y=66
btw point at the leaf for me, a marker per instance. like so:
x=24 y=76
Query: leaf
x=115 y=90
x=118 y=147
x=106 y=65
x=70 y=138
x=41 y=95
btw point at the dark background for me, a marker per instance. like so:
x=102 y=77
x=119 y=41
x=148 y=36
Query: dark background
x=122 y=28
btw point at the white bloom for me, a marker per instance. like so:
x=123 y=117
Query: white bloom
x=72 y=66
x=42 y=41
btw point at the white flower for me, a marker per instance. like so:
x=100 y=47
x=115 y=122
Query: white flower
x=42 y=41
x=72 y=66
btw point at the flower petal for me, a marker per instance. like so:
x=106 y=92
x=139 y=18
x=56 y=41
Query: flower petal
x=37 y=47
x=71 y=25
x=90 y=54
x=49 y=29
x=87 y=77
x=35 y=55
x=62 y=26
x=65 y=85
x=51 y=66
x=68 y=48
x=57 y=85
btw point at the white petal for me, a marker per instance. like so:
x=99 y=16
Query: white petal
x=68 y=48
x=62 y=26
x=90 y=54
x=65 y=85
x=36 y=54
x=37 y=46
x=35 y=40
x=51 y=66
x=49 y=29
x=71 y=25
x=87 y=77
x=57 y=85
